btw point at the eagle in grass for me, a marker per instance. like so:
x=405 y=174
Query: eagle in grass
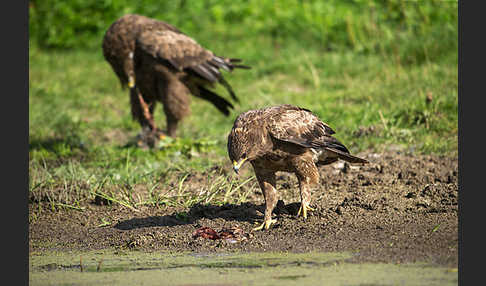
x=159 y=63
x=284 y=138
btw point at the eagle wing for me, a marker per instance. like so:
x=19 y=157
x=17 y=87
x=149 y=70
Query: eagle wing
x=301 y=127
x=182 y=53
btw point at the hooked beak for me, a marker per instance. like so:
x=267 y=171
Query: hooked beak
x=237 y=165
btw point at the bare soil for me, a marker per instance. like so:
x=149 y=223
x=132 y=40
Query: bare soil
x=400 y=208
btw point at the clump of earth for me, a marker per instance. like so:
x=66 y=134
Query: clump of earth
x=400 y=208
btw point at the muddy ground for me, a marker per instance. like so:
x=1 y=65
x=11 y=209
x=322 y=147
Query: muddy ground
x=400 y=208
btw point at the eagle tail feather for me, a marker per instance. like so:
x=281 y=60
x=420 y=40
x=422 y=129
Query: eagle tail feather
x=219 y=102
x=346 y=156
x=228 y=88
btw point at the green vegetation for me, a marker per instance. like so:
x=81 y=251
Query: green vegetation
x=117 y=267
x=381 y=73
x=364 y=26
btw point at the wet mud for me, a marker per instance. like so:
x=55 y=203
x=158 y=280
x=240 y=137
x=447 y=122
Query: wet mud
x=400 y=208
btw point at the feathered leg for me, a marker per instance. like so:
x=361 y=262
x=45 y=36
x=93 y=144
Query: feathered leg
x=307 y=175
x=266 y=180
x=176 y=100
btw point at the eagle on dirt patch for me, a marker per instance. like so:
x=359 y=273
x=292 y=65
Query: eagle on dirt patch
x=160 y=63
x=284 y=138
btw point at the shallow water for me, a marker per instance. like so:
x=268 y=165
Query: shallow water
x=156 y=268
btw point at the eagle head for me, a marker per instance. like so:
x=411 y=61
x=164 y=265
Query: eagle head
x=238 y=147
x=243 y=146
x=247 y=139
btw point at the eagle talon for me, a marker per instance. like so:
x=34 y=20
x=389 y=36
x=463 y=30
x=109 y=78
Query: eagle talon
x=159 y=134
x=266 y=224
x=303 y=209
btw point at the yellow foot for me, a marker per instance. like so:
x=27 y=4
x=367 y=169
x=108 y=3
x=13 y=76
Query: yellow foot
x=266 y=224
x=303 y=209
x=159 y=134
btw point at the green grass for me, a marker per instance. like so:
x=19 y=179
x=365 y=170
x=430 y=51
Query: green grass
x=80 y=122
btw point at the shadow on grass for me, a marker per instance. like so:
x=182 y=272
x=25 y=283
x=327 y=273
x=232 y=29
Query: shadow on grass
x=51 y=144
x=246 y=212
x=58 y=150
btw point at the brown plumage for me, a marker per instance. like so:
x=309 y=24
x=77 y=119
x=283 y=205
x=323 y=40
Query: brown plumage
x=160 y=63
x=284 y=138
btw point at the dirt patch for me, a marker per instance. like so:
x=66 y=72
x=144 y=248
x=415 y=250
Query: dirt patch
x=400 y=208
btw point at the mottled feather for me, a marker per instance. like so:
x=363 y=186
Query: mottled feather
x=163 y=64
x=284 y=138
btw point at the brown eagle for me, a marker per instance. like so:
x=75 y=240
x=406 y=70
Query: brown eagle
x=160 y=63
x=284 y=138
